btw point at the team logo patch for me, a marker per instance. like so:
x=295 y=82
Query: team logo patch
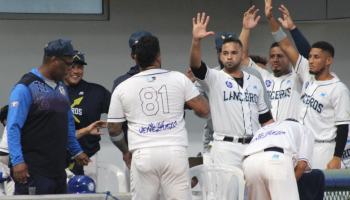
x=228 y=84
x=81 y=93
x=14 y=104
x=150 y=79
x=62 y=91
x=323 y=95
x=306 y=84
x=255 y=87
x=288 y=82
x=275 y=157
x=91 y=186
x=268 y=83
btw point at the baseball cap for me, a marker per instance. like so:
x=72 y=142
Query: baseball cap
x=219 y=39
x=60 y=47
x=79 y=57
x=81 y=184
x=134 y=38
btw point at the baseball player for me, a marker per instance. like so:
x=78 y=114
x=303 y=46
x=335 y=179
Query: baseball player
x=283 y=85
x=236 y=97
x=88 y=102
x=208 y=129
x=157 y=135
x=325 y=103
x=276 y=158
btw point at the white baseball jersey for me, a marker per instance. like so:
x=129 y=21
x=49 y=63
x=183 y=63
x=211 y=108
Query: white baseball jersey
x=284 y=93
x=288 y=135
x=3 y=144
x=324 y=104
x=153 y=104
x=235 y=110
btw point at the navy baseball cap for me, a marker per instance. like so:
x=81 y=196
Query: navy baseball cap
x=60 y=47
x=79 y=58
x=134 y=38
x=219 y=39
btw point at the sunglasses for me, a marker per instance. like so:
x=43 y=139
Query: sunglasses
x=69 y=64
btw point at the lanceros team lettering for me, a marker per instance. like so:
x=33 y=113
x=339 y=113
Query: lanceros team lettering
x=239 y=96
x=311 y=102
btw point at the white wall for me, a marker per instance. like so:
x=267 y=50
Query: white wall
x=105 y=44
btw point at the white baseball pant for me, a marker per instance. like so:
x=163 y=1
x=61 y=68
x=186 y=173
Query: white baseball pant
x=270 y=175
x=165 y=168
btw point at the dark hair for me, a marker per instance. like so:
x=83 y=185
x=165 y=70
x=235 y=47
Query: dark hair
x=325 y=46
x=234 y=40
x=147 y=51
x=275 y=44
x=3 y=113
x=258 y=59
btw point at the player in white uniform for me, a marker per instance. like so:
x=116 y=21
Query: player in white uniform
x=325 y=103
x=283 y=85
x=208 y=129
x=152 y=102
x=276 y=158
x=236 y=98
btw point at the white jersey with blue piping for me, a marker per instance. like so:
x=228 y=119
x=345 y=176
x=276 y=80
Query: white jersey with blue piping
x=288 y=135
x=324 y=104
x=284 y=93
x=234 y=109
x=152 y=102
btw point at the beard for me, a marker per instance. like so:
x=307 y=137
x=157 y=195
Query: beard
x=234 y=67
x=317 y=72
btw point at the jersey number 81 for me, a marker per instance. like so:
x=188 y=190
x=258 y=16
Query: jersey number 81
x=149 y=99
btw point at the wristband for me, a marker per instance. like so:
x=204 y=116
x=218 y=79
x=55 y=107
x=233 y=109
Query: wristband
x=279 y=35
x=117 y=138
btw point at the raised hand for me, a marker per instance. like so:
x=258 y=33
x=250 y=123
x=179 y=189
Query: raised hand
x=249 y=19
x=287 y=22
x=200 y=27
x=268 y=9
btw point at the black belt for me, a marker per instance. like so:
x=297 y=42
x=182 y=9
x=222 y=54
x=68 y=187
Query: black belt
x=277 y=149
x=240 y=140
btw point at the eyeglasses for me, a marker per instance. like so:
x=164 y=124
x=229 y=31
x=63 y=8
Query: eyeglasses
x=69 y=64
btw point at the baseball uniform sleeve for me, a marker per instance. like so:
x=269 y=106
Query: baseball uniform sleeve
x=306 y=148
x=200 y=89
x=20 y=102
x=261 y=102
x=116 y=112
x=341 y=104
x=302 y=68
x=209 y=76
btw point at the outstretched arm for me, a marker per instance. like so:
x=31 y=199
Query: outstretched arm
x=249 y=22
x=300 y=41
x=92 y=129
x=279 y=35
x=199 y=32
x=200 y=106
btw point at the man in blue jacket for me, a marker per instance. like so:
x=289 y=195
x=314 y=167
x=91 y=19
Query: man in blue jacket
x=40 y=124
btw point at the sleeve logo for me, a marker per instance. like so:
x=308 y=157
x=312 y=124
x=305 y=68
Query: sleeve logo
x=14 y=104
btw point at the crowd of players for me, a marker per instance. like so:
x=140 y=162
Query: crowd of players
x=288 y=122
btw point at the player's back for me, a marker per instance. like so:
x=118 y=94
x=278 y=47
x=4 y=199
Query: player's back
x=153 y=103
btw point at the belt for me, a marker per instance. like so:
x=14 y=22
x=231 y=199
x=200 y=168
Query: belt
x=240 y=140
x=325 y=141
x=277 y=149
